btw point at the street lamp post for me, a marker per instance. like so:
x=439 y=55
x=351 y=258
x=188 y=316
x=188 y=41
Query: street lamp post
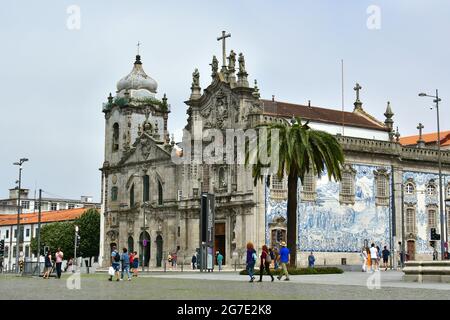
x=436 y=100
x=19 y=210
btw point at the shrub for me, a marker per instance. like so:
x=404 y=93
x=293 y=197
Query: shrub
x=301 y=271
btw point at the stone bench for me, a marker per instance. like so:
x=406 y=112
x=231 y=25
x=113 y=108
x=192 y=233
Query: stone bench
x=427 y=271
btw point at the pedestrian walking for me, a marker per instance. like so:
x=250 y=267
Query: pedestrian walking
x=194 y=261
x=276 y=257
x=59 y=259
x=174 y=260
x=265 y=263
x=363 y=256
x=251 y=260
x=125 y=264
x=219 y=260
x=272 y=255
x=374 y=257
x=284 y=260
x=135 y=264
x=115 y=263
x=169 y=260
x=131 y=256
x=48 y=264
x=369 y=260
x=386 y=253
x=311 y=260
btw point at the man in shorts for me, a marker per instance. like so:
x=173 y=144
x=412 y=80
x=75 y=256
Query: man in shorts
x=115 y=263
x=374 y=257
x=385 y=253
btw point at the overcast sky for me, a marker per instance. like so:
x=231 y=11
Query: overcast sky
x=54 y=79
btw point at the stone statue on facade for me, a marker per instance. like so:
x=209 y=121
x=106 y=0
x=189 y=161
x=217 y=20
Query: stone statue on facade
x=214 y=66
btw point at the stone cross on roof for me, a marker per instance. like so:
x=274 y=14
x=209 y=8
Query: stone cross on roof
x=357 y=88
x=223 y=37
x=420 y=142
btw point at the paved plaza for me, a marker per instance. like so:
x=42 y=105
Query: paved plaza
x=227 y=285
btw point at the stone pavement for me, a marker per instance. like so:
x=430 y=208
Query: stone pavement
x=224 y=286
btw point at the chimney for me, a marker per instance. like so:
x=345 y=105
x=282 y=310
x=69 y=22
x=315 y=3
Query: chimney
x=273 y=98
x=309 y=103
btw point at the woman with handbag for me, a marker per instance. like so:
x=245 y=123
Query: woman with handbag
x=265 y=263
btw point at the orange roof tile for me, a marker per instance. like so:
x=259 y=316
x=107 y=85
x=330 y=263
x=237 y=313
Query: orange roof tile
x=47 y=216
x=428 y=138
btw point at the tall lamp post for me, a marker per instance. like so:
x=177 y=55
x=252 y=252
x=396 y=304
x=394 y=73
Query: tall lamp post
x=436 y=100
x=19 y=210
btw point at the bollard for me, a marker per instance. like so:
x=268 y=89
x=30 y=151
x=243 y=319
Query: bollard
x=164 y=266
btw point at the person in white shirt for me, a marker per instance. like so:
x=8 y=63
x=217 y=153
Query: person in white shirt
x=374 y=257
x=363 y=256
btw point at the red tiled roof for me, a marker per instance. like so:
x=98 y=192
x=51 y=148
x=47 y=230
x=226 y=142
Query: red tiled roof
x=428 y=138
x=352 y=119
x=47 y=216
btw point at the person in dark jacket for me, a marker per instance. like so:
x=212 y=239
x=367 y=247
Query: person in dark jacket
x=194 y=261
x=311 y=260
x=265 y=263
x=251 y=260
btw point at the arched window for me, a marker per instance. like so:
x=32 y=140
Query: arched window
x=222 y=178
x=115 y=138
x=410 y=220
x=114 y=193
x=278 y=188
x=146 y=188
x=132 y=196
x=309 y=186
x=410 y=188
x=130 y=244
x=382 y=187
x=431 y=188
x=160 y=193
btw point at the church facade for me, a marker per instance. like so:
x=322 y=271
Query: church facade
x=151 y=199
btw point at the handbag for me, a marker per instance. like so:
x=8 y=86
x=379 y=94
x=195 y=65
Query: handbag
x=111 y=271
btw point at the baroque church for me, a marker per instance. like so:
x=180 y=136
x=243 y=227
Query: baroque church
x=389 y=192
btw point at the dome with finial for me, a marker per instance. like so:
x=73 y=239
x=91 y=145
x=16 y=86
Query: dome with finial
x=137 y=82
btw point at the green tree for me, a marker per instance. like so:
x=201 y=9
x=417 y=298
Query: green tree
x=89 y=231
x=300 y=149
x=56 y=235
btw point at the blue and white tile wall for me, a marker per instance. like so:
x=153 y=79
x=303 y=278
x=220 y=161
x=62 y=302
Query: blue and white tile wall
x=421 y=199
x=328 y=226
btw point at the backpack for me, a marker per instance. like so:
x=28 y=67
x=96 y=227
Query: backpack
x=117 y=257
x=268 y=258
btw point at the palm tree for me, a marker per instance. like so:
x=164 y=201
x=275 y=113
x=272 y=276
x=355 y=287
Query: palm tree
x=300 y=149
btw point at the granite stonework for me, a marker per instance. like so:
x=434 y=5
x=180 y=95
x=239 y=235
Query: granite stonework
x=327 y=226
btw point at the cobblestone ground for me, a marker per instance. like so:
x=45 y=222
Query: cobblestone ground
x=207 y=286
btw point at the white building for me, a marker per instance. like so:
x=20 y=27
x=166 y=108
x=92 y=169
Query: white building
x=29 y=226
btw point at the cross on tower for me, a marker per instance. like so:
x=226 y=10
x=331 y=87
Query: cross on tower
x=420 y=127
x=357 y=88
x=223 y=37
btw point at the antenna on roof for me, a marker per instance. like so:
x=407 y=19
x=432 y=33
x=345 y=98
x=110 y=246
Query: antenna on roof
x=342 y=92
x=309 y=103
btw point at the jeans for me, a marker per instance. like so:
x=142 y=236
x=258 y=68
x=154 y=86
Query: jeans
x=220 y=265
x=58 y=269
x=126 y=268
x=251 y=269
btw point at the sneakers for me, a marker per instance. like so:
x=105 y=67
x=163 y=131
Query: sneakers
x=279 y=278
x=287 y=279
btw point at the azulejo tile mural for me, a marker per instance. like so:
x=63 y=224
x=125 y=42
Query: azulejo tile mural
x=327 y=226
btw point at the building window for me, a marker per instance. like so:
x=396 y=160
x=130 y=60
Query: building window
x=6 y=254
x=278 y=188
x=410 y=188
x=431 y=217
x=382 y=187
x=53 y=206
x=114 y=192
x=15 y=233
x=26 y=204
x=14 y=252
x=7 y=234
x=448 y=192
x=309 y=186
x=160 y=193
x=27 y=232
x=71 y=206
x=431 y=188
x=410 y=220
x=132 y=196
x=222 y=178
x=179 y=231
x=115 y=138
x=347 y=185
x=146 y=188
x=27 y=251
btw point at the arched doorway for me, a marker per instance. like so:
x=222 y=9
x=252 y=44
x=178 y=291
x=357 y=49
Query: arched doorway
x=159 y=250
x=130 y=244
x=144 y=251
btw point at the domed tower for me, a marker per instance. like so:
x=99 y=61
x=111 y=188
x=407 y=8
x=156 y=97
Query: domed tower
x=134 y=105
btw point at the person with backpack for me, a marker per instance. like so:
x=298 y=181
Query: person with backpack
x=266 y=260
x=272 y=255
x=251 y=260
x=125 y=264
x=115 y=263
